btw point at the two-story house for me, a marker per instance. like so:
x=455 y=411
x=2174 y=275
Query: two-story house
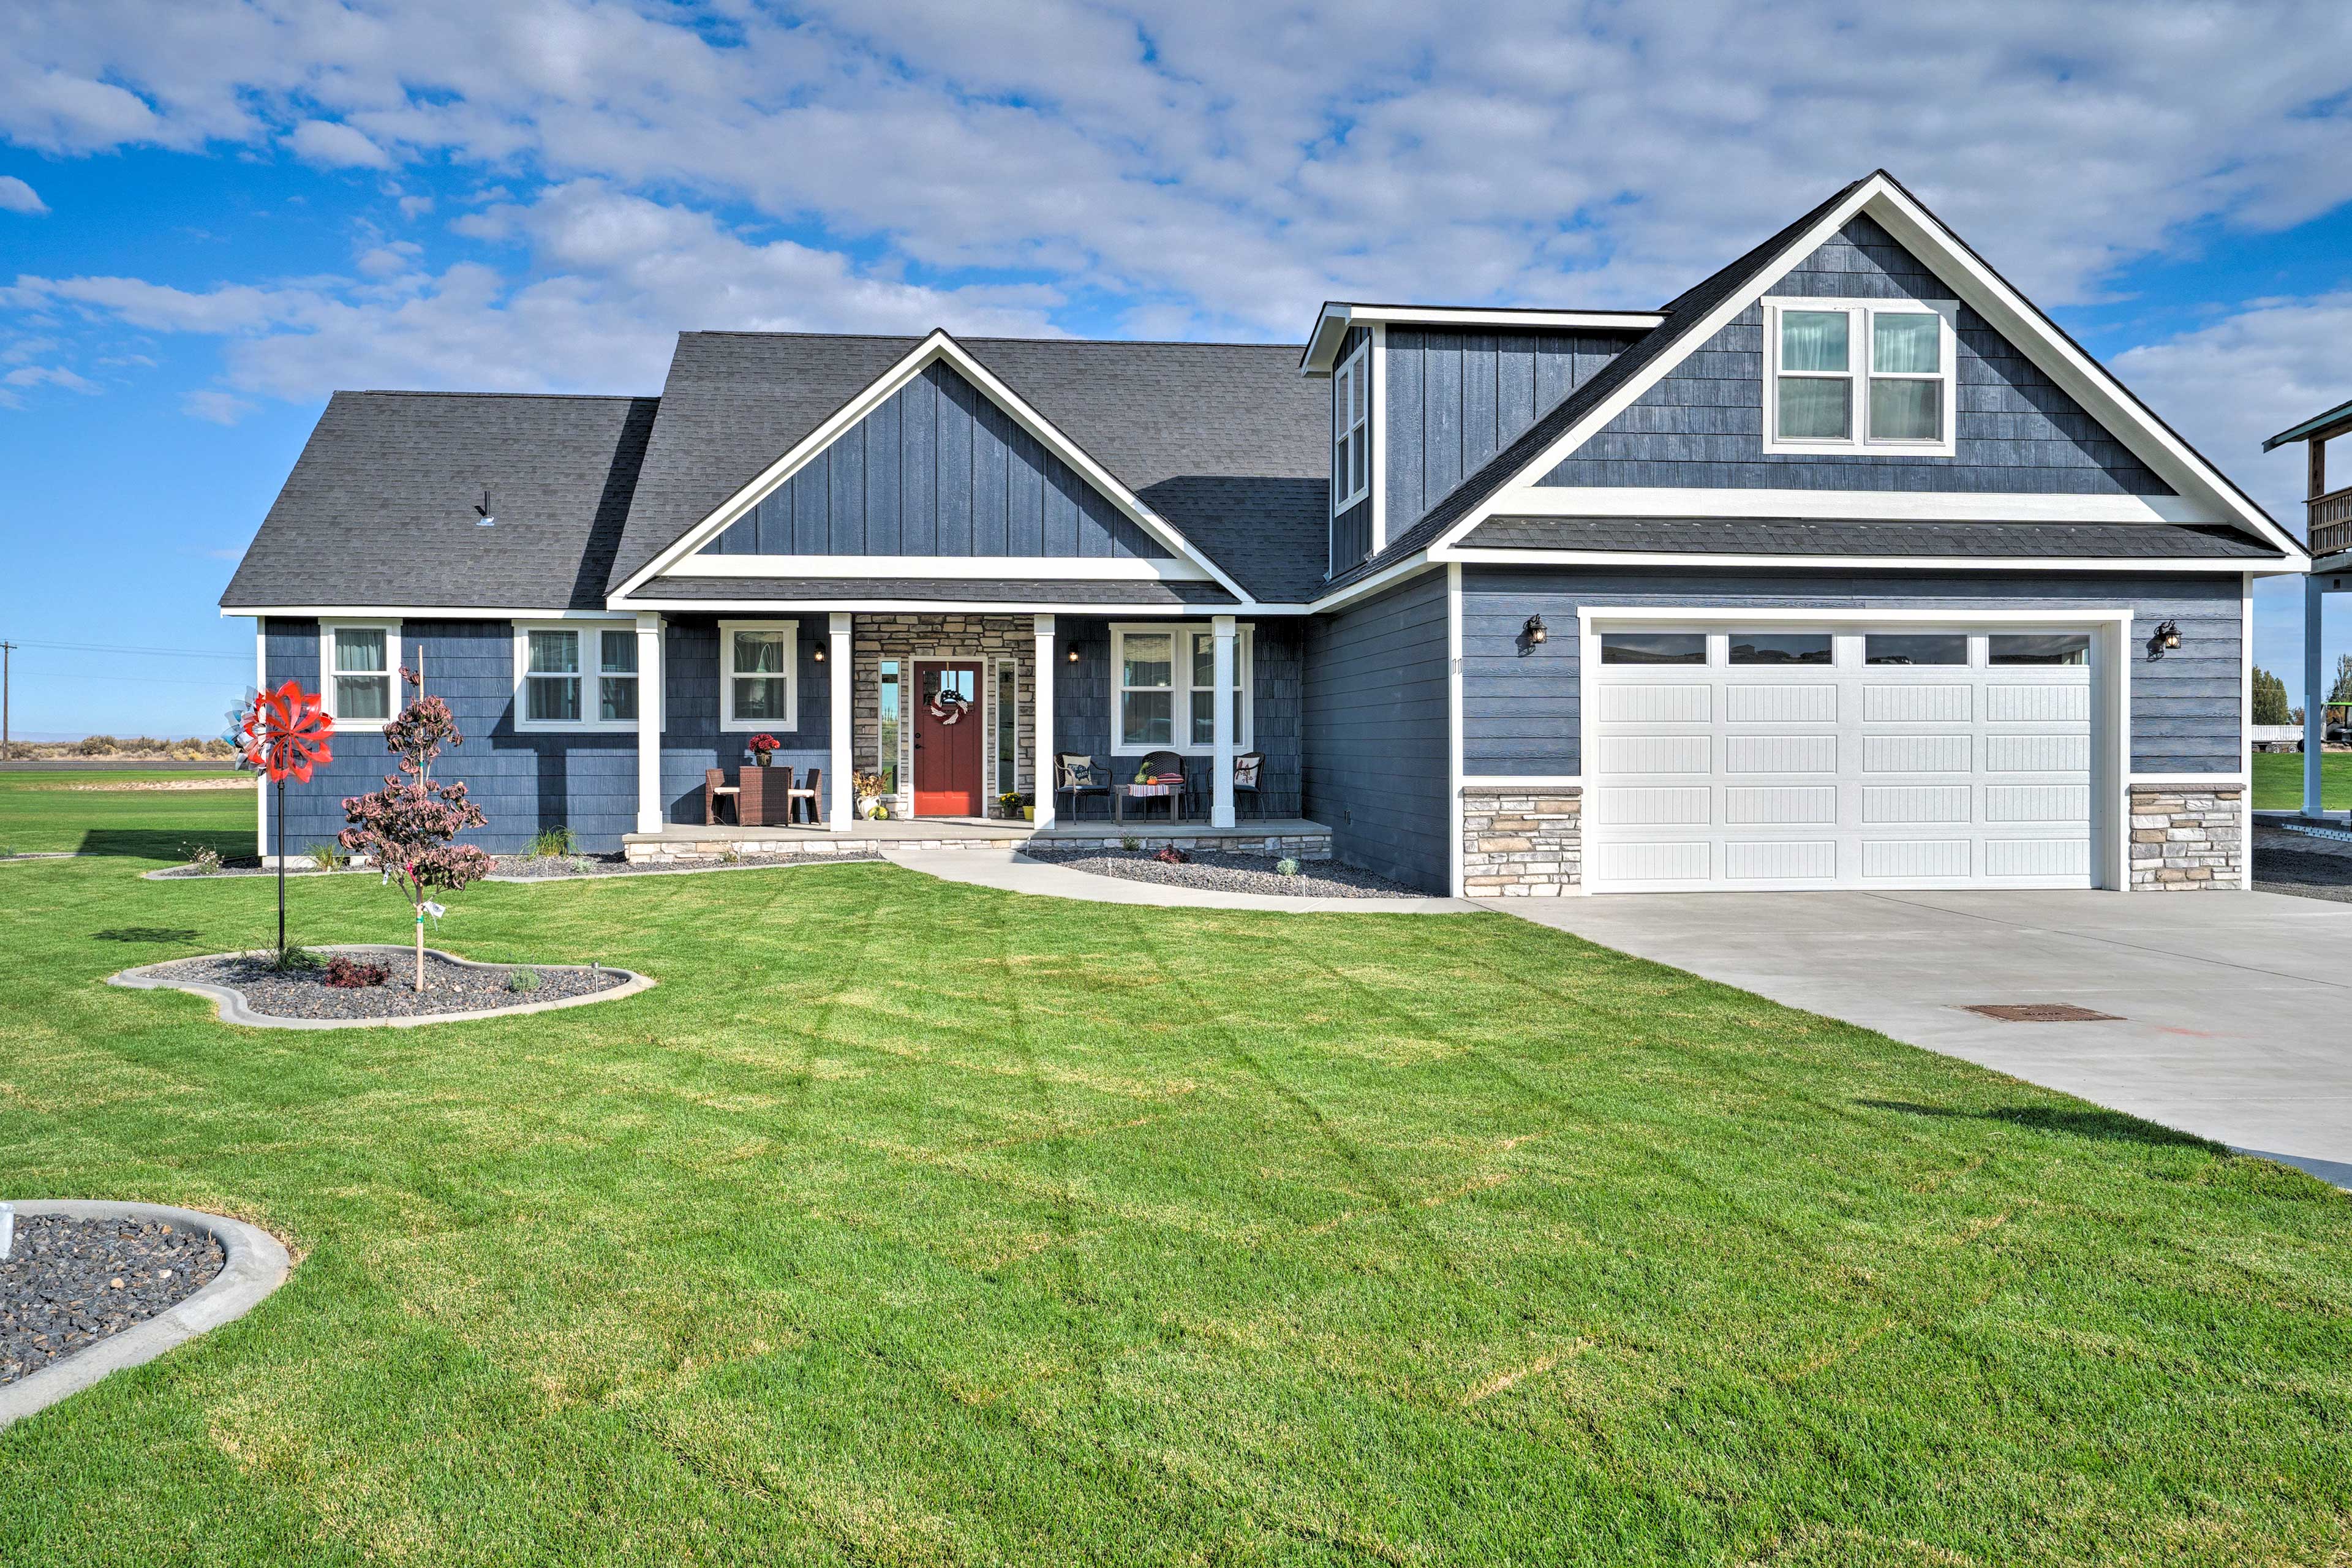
x=1845 y=568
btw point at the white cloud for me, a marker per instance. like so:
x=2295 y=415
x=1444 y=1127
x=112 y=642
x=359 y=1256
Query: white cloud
x=51 y=374
x=16 y=196
x=334 y=146
x=220 y=409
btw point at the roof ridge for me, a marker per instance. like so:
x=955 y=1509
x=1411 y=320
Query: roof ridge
x=533 y=396
x=1074 y=342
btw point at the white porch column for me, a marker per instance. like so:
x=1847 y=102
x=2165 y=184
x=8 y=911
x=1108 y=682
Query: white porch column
x=840 y=798
x=1221 y=796
x=2314 y=694
x=649 y=721
x=1043 y=771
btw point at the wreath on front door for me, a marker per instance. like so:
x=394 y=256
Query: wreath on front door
x=950 y=705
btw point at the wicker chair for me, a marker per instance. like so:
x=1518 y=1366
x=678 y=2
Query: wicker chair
x=1078 y=775
x=715 y=788
x=794 y=795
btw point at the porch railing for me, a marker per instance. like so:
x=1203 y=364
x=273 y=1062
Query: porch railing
x=2331 y=522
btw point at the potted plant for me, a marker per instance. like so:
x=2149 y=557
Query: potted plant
x=762 y=747
x=867 y=788
x=1012 y=800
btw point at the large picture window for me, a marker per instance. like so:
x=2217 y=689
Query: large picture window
x=571 y=676
x=758 y=663
x=1166 y=688
x=360 y=665
x=1351 y=457
x=1858 y=375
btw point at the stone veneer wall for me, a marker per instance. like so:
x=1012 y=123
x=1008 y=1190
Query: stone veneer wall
x=1519 y=842
x=906 y=637
x=2188 y=838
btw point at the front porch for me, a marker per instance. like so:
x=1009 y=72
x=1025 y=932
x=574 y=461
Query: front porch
x=1295 y=837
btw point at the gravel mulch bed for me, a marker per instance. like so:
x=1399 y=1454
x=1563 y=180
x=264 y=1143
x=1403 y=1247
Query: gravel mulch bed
x=68 y=1283
x=448 y=987
x=1221 y=871
x=2302 y=866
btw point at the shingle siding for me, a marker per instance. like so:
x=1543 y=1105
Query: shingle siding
x=1702 y=425
x=1376 y=732
x=937 y=469
x=1519 y=701
x=691 y=739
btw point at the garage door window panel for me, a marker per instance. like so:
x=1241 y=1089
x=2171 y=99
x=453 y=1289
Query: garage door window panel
x=1654 y=648
x=2040 y=648
x=1781 y=647
x=1916 y=649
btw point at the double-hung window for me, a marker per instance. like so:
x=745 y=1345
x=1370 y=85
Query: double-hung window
x=758 y=664
x=1852 y=375
x=1167 y=692
x=1351 y=456
x=362 y=663
x=576 y=677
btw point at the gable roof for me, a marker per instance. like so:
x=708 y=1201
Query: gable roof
x=380 y=507
x=1221 y=440
x=1695 y=316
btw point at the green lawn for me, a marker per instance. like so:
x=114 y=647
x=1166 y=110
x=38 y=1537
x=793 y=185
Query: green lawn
x=42 y=810
x=907 y=1223
x=2278 y=781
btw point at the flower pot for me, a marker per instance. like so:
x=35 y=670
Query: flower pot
x=868 y=805
x=764 y=758
x=1028 y=813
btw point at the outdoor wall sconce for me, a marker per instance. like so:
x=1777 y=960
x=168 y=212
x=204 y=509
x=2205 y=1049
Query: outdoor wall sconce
x=2168 y=636
x=818 y=656
x=1074 y=653
x=1535 y=630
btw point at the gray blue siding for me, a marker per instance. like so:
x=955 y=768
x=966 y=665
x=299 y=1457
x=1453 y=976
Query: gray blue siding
x=691 y=739
x=1376 y=732
x=1455 y=398
x=1519 y=701
x=1702 y=425
x=937 y=469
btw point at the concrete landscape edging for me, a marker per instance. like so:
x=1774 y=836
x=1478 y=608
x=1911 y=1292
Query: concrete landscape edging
x=255 y=1265
x=232 y=1009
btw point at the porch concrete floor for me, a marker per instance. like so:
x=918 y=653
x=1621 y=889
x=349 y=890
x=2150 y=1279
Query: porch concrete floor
x=975 y=830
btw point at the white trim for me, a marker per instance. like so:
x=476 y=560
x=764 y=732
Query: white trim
x=1355 y=372
x=1376 y=415
x=2315 y=703
x=1316 y=360
x=1522 y=781
x=1179 y=675
x=954 y=607
x=1386 y=577
x=1224 y=677
x=1626 y=616
x=840 y=723
x=390 y=627
x=1873 y=506
x=652 y=651
x=933 y=349
x=368 y=613
x=2004 y=309
x=261 y=683
x=1054 y=568
x=2227 y=566
x=1860 y=348
x=1041 y=739
x=590 y=675
x=2246 y=729
x=1454 y=868
x=728 y=723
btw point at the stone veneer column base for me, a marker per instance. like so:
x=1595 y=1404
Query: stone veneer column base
x=2187 y=838
x=1521 y=843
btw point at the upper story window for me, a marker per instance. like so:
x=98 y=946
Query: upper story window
x=359 y=665
x=758 y=663
x=575 y=676
x=1351 y=456
x=1851 y=375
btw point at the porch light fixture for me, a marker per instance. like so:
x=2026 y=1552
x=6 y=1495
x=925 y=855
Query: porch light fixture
x=2167 y=634
x=1535 y=630
x=1074 y=653
x=818 y=656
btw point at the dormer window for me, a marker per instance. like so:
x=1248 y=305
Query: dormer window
x=1854 y=375
x=1351 y=456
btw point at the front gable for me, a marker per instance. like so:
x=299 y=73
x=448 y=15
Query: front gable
x=1702 y=425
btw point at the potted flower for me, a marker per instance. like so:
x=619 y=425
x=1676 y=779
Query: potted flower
x=1012 y=800
x=763 y=747
x=867 y=787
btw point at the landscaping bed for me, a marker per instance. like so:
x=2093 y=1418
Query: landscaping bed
x=68 y=1283
x=2302 y=865
x=526 y=867
x=1226 y=872
x=452 y=985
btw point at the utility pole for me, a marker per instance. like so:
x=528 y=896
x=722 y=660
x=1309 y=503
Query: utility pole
x=6 y=751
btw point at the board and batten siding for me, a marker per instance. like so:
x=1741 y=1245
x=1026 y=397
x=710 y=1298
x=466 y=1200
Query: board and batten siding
x=1702 y=425
x=938 y=468
x=1083 y=696
x=1376 y=734
x=1519 y=713
x=1454 y=398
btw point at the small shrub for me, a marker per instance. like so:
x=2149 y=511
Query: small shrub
x=522 y=980
x=326 y=857
x=1285 y=866
x=293 y=959
x=97 y=745
x=348 y=973
x=552 y=844
x=1130 y=844
x=203 y=859
x=729 y=856
x=1171 y=856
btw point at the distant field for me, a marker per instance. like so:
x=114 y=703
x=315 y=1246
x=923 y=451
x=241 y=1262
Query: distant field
x=42 y=810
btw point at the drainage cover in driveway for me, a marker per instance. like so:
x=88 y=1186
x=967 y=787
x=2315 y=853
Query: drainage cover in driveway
x=2040 y=1013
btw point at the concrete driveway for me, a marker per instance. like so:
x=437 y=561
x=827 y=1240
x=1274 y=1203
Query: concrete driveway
x=2235 y=1009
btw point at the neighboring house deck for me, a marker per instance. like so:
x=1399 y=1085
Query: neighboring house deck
x=1845 y=568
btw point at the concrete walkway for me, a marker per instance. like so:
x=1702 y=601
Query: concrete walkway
x=2234 y=1009
x=1019 y=873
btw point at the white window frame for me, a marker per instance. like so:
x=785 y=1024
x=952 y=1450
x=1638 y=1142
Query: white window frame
x=1859 y=346
x=590 y=672
x=791 y=673
x=1180 y=674
x=1352 y=382
x=326 y=685
x=996 y=672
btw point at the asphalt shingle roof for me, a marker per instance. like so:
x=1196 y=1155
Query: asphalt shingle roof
x=1225 y=440
x=1023 y=591
x=379 y=508
x=1797 y=536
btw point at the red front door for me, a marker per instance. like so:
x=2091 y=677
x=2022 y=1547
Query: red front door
x=948 y=723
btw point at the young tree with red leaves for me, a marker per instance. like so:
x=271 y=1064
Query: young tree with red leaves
x=407 y=827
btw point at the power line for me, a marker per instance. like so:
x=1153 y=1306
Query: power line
x=112 y=647
x=222 y=683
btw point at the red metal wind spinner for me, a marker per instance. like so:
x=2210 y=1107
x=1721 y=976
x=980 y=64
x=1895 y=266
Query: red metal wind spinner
x=284 y=734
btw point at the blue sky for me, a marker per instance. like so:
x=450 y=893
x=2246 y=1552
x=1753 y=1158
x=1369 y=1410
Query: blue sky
x=213 y=212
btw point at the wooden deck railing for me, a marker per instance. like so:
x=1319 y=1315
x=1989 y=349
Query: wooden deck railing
x=2331 y=522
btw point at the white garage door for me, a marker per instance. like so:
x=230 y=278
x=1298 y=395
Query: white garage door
x=1793 y=758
